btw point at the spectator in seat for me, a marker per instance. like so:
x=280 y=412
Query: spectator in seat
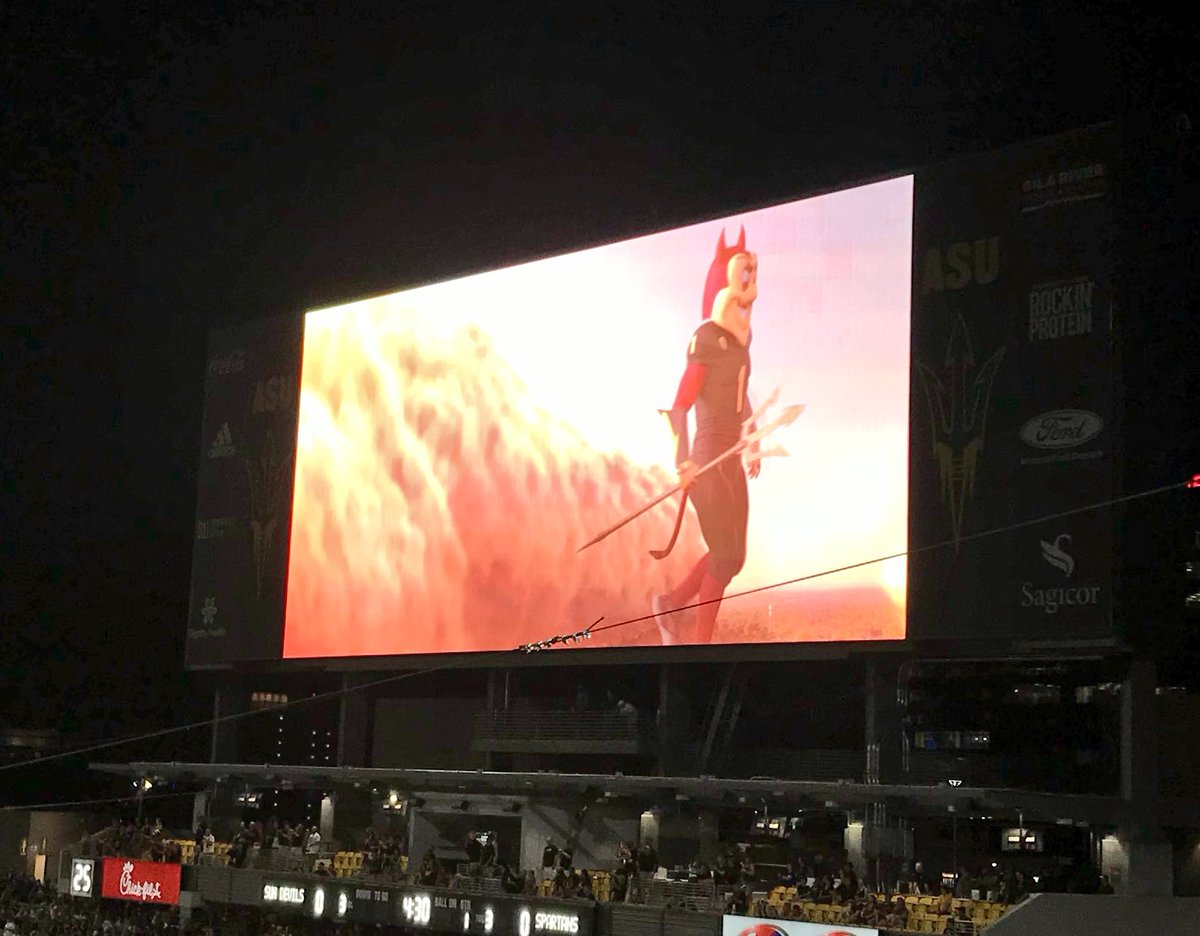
x=847 y=887
x=619 y=884
x=746 y=870
x=488 y=853
x=945 y=901
x=509 y=882
x=787 y=877
x=530 y=888
x=429 y=870
x=795 y=842
x=647 y=859
x=198 y=843
x=585 y=886
x=239 y=848
x=962 y=885
x=960 y=924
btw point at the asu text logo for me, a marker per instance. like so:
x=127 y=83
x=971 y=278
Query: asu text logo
x=273 y=394
x=960 y=265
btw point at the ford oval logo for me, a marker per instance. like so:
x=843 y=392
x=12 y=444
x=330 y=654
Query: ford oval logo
x=1061 y=429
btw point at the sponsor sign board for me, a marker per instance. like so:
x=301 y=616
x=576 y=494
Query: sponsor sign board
x=1014 y=409
x=153 y=882
x=247 y=447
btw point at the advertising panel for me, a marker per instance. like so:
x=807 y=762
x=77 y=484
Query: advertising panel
x=459 y=443
x=154 y=882
x=239 y=558
x=422 y=908
x=752 y=926
x=1015 y=413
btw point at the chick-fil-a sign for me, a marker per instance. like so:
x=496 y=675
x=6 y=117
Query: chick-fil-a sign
x=145 y=881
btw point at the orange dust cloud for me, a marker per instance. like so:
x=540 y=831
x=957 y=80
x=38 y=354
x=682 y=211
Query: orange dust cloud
x=438 y=508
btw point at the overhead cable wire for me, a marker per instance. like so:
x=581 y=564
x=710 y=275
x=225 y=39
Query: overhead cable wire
x=498 y=656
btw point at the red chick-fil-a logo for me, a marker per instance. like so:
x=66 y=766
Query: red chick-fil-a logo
x=140 y=890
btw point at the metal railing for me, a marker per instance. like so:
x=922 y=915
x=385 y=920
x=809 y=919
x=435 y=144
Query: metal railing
x=558 y=726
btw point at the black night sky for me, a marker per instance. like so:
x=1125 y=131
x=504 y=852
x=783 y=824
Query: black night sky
x=172 y=167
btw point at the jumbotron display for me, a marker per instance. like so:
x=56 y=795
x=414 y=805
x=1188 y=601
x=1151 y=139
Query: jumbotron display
x=460 y=443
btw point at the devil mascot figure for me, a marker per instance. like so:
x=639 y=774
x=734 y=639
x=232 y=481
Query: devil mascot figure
x=716 y=383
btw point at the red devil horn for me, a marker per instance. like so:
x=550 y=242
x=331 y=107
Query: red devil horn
x=741 y=244
x=721 y=244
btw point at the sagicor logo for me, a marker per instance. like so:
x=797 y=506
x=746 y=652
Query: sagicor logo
x=1058 y=557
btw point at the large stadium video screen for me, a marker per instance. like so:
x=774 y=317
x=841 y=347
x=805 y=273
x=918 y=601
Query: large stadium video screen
x=460 y=443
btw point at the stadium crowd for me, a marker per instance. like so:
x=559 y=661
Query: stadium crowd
x=816 y=888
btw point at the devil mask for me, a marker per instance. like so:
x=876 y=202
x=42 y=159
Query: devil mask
x=732 y=287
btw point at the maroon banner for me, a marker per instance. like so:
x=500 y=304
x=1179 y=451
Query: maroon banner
x=145 y=881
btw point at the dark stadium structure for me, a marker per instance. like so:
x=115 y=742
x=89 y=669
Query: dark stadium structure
x=1037 y=715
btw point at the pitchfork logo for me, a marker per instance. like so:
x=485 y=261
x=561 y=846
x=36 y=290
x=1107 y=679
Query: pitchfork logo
x=1058 y=557
x=958 y=395
x=269 y=475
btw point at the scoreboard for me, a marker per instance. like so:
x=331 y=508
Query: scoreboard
x=426 y=908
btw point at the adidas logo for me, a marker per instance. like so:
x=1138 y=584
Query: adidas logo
x=222 y=446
